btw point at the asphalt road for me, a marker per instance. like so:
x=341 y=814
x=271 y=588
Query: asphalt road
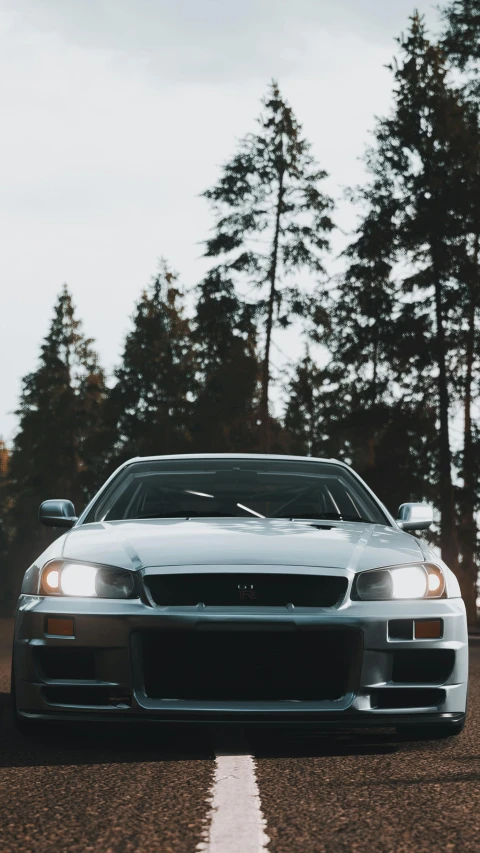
x=147 y=793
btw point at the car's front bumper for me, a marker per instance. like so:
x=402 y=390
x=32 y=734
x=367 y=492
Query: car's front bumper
x=110 y=634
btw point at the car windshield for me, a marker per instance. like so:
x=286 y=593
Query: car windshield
x=222 y=488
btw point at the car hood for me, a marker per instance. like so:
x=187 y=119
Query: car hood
x=139 y=544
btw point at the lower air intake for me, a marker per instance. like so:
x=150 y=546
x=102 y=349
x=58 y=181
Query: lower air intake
x=251 y=665
x=423 y=666
x=87 y=696
x=400 y=697
x=62 y=662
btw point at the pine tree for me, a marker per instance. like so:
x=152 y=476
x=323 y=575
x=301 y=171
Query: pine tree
x=466 y=367
x=461 y=38
x=225 y=409
x=461 y=45
x=4 y=499
x=419 y=159
x=314 y=409
x=272 y=223
x=421 y=141
x=149 y=407
x=363 y=331
x=59 y=409
x=388 y=441
x=379 y=342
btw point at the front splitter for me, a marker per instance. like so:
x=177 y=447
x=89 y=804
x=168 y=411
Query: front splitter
x=363 y=720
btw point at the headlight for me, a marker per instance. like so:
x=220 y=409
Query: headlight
x=87 y=580
x=421 y=580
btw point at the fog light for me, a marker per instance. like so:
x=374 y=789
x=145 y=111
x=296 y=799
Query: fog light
x=60 y=627
x=400 y=629
x=431 y=629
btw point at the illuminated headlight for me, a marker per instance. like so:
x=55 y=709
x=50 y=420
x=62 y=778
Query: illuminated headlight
x=422 y=580
x=86 y=580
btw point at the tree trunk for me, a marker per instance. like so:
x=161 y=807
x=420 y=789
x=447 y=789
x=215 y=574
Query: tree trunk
x=371 y=437
x=312 y=424
x=264 y=407
x=448 y=531
x=468 y=527
x=375 y=371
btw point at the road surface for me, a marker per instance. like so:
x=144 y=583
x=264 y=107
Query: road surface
x=234 y=792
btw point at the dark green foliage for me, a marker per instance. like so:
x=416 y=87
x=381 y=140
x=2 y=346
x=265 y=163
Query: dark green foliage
x=391 y=443
x=4 y=500
x=363 y=334
x=461 y=40
x=60 y=410
x=392 y=446
x=380 y=345
x=419 y=173
x=150 y=406
x=225 y=409
x=314 y=409
x=461 y=45
x=272 y=222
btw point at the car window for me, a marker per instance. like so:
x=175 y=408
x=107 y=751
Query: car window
x=236 y=488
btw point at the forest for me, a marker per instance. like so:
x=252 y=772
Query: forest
x=389 y=378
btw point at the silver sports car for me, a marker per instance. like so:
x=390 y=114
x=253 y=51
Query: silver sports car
x=244 y=588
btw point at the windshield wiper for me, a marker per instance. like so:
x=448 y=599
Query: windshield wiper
x=328 y=516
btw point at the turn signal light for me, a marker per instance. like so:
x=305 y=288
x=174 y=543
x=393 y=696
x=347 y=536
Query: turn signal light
x=431 y=629
x=60 y=627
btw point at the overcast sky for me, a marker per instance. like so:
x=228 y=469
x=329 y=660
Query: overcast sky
x=116 y=114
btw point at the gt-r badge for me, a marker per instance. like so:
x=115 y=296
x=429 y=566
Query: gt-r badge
x=247 y=591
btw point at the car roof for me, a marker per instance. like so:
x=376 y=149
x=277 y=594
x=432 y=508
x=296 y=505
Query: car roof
x=281 y=456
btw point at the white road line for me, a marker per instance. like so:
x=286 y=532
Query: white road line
x=237 y=824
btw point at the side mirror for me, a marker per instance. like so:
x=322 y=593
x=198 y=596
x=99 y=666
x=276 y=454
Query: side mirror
x=57 y=513
x=415 y=516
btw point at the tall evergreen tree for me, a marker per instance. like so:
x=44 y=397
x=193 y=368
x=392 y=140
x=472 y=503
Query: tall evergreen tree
x=422 y=144
x=4 y=499
x=388 y=441
x=418 y=167
x=272 y=223
x=363 y=331
x=149 y=407
x=466 y=364
x=461 y=37
x=59 y=409
x=225 y=409
x=314 y=409
x=379 y=343
x=461 y=45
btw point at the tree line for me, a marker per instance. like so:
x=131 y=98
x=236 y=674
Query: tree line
x=399 y=322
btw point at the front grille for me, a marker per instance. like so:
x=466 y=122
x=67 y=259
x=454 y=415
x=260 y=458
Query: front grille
x=251 y=665
x=220 y=589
